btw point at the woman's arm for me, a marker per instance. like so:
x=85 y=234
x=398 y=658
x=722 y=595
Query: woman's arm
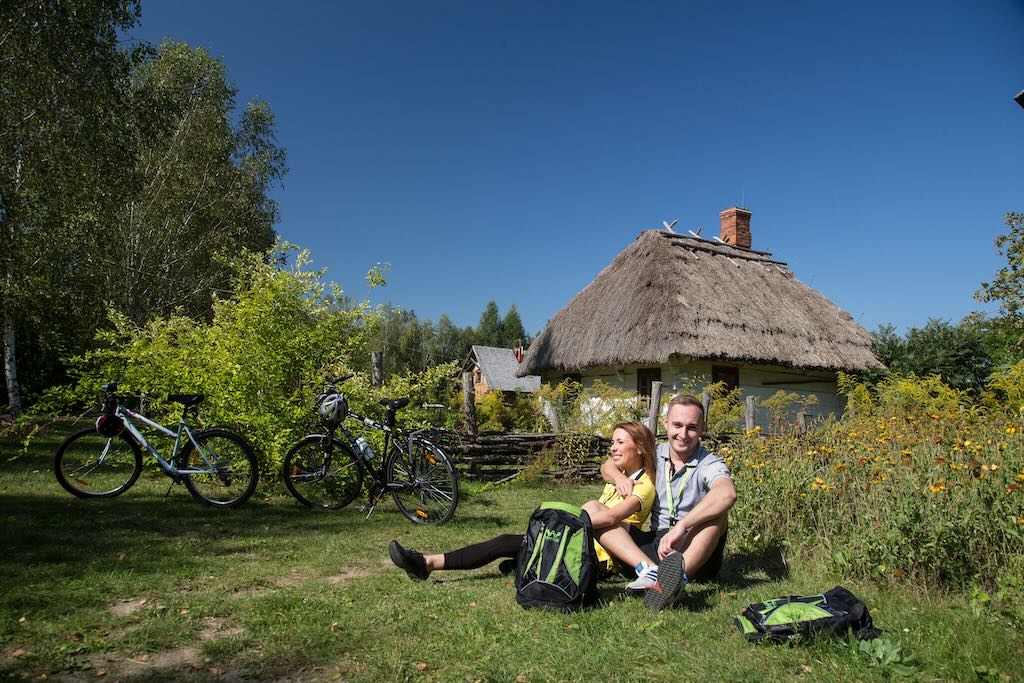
x=602 y=516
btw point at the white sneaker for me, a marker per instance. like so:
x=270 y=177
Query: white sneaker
x=644 y=580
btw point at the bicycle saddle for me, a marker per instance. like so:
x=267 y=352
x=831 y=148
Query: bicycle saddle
x=394 y=403
x=187 y=400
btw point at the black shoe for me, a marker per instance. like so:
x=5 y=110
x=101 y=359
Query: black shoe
x=414 y=564
x=506 y=567
x=670 y=586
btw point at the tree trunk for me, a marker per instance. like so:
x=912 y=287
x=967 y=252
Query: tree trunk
x=10 y=364
x=377 y=368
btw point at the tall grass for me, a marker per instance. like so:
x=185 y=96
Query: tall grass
x=919 y=483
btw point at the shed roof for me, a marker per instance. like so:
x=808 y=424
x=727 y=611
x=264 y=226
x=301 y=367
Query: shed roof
x=668 y=295
x=499 y=367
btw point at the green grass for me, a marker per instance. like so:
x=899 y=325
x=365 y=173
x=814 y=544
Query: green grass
x=274 y=590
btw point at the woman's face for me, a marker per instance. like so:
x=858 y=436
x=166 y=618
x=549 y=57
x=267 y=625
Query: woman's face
x=625 y=454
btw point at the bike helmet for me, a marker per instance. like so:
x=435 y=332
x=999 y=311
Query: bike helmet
x=333 y=409
x=109 y=425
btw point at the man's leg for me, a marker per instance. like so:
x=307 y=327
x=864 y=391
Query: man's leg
x=703 y=543
x=700 y=558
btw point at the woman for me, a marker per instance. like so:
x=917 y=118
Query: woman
x=632 y=452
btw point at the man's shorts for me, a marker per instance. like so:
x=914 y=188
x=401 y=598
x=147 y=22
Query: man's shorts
x=648 y=542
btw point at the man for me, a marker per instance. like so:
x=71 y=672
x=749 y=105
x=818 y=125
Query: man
x=690 y=516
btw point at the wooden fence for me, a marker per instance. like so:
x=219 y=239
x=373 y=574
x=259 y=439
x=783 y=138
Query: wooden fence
x=497 y=456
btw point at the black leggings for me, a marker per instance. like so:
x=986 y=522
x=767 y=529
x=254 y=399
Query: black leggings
x=479 y=554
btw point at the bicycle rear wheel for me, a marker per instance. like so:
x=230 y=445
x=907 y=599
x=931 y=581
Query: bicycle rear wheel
x=90 y=465
x=316 y=483
x=423 y=482
x=224 y=471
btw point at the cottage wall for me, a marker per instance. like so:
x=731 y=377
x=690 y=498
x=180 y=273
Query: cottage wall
x=761 y=381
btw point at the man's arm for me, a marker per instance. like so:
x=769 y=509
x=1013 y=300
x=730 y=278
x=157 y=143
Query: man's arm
x=718 y=501
x=613 y=475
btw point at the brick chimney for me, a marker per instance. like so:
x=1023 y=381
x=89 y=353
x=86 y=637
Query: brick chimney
x=736 y=227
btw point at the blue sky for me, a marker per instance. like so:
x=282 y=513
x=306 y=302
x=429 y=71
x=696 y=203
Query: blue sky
x=509 y=151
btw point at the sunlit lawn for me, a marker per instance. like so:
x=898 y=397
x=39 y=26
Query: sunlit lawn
x=141 y=588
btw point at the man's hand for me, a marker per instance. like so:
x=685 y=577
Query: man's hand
x=671 y=540
x=624 y=485
x=611 y=474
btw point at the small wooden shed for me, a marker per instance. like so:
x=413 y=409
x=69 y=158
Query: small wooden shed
x=495 y=369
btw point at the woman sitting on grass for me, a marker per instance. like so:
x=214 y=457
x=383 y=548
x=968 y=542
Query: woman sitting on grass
x=632 y=452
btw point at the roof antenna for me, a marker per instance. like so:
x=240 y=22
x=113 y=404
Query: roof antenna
x=743 y=199
x=668 y=226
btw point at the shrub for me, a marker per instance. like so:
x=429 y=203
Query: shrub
x=922 y=485
x=261 y=359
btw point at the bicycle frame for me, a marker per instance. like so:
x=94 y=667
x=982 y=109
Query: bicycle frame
x=167 y=466
x=377 y=474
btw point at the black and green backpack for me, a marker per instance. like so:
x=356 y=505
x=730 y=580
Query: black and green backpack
x=795 y=617
x=556 y=567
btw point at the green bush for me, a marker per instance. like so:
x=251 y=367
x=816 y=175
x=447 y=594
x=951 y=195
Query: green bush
x=261 y=359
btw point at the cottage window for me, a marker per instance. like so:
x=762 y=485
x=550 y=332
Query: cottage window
x=725 y=373
x=645 y=377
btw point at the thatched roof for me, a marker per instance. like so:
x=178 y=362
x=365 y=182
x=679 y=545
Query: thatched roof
x=499 y=367
x=667 y=295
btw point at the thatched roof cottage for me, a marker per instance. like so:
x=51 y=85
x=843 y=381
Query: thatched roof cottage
x=674 y=308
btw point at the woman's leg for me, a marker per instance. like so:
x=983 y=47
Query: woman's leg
x=418 y=566
x=621 y=545
x=478 y=554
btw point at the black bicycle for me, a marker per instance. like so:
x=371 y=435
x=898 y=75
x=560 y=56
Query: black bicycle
x=326 y=471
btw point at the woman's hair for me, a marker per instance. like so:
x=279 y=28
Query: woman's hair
x=644 y=441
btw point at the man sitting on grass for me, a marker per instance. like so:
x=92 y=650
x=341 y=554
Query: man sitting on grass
x=690 y=517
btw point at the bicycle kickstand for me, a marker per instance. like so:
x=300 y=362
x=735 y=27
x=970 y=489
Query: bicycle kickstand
x=371 y=502
x=169 y=487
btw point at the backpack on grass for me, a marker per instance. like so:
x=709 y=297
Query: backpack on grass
x=794 y=617
x=556 y=567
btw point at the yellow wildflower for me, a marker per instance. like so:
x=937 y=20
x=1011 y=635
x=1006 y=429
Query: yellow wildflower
x=938 y=486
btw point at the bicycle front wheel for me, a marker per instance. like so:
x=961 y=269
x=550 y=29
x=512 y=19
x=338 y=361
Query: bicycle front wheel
x=222 y=472
x=319 y=481
x=423 y=482
x=90 y=465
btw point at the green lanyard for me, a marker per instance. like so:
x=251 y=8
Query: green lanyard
x=668 y=486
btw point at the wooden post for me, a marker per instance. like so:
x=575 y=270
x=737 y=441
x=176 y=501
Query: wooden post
x=705 y=402
x=801 y=421
x=748 y=413
x=469 y=403
x=655 y=410
x=551 y=413
x=377 y=368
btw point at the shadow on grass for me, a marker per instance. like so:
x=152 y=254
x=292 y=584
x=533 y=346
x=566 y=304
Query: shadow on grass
x=744 y=570
x=69 y=536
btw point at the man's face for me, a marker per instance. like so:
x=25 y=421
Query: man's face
x=684 y=425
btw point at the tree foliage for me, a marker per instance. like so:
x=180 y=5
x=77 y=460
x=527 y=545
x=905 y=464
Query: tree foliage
x=488 y=330
x=956 y=353
x=63 y=145
x=1007 y=287
x=203 y=186
x=123 y=173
